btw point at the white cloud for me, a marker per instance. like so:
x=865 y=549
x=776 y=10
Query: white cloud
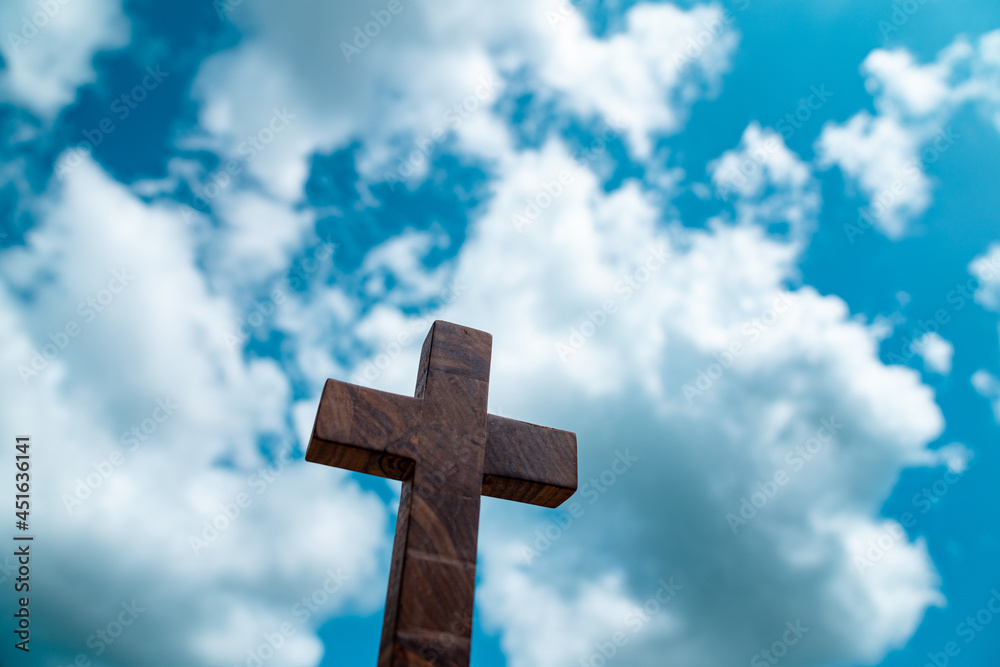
x=48 y=48
x=881 y=155
x=642 y=76
x=257 y=238
x=654 y=372
x=988 y=386
x=772 y=184
x=160 y=336
x=986 y=268
x=904 y=87
x=406 y=82
x=624 y=388
x=553 y=625
x=955 y=456
x=887 y=155
x=935 y=351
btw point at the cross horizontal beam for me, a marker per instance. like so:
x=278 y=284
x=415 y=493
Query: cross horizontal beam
x=448 y=452
x=375 y=432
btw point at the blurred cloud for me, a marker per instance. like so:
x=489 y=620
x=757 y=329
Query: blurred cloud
x=765 y=430
x=48 y=48
x=887 y=155
x=699 y=456
x=935 y=351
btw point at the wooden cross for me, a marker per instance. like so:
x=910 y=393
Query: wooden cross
x=447 y=451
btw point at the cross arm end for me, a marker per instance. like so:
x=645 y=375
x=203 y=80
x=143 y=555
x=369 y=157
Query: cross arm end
x=364 y=430
x=529 y=463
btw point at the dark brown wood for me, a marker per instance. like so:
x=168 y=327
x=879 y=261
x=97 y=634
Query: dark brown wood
x=448 y=452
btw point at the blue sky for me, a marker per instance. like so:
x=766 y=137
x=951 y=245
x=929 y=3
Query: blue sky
x=209 y=209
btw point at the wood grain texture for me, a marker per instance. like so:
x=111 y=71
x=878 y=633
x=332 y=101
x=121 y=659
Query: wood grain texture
x=448 y=452
x=529 y=463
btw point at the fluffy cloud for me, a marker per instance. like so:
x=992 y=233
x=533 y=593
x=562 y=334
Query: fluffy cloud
x=161 y=488
x=935 y=351
x=986 y=268
x=880 y=154
x=592 y=333
x=768 y=184
x=887 y=155
x=988 y=386
x=416 y=78
x=759 y=432
x=48 y=48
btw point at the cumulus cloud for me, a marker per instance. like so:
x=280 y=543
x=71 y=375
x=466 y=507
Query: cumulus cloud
x=759 y=431
x=935 y=351
x=768 y=183
x=887 y=155
x=719 y=379
x=412 y=78
x=171 y=465
x=48 y=49
x=880 y=154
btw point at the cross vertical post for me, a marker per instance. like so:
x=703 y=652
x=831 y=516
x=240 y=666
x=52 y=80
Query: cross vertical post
x=448 y=452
